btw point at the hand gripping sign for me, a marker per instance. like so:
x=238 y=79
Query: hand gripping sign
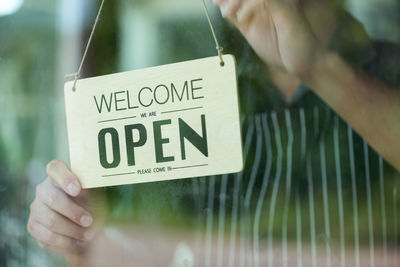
x=167 y=122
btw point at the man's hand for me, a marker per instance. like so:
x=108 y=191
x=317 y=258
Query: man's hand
x=59 y=219
x=278 y=32
x=286 y=41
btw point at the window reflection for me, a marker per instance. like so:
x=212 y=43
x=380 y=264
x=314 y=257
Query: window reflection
x=312 y=191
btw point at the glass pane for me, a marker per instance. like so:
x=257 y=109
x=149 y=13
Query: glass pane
x=314 y=192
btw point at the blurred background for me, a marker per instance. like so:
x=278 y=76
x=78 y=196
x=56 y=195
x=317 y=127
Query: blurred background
x=202 y=221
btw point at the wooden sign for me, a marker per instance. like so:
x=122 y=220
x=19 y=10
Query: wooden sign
x=168 y=122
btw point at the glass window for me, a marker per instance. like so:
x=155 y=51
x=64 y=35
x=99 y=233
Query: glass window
x=319 y=98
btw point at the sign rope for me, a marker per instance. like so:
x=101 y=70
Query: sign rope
x=218 y=47
x=78 y=73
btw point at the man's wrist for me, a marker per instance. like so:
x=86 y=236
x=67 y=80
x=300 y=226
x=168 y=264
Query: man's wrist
x=316 y=66
x=326 y=68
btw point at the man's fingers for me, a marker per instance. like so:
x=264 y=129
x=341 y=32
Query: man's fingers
x=58 y=201
x=230 y=7
x=58 y=223
x=51 y=248
x=49 y=239
x=76 y=249
x=240 y=12
x=59 y=172
x=247 y=11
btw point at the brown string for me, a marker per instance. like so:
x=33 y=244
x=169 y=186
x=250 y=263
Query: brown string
x=218 y=47
x=78 y=73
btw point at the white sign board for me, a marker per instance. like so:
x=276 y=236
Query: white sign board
x=168 y=122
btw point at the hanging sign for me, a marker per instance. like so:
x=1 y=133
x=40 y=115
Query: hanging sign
x=167 y=122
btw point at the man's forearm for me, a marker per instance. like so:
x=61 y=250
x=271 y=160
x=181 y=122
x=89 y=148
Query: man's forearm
x=370 y=106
